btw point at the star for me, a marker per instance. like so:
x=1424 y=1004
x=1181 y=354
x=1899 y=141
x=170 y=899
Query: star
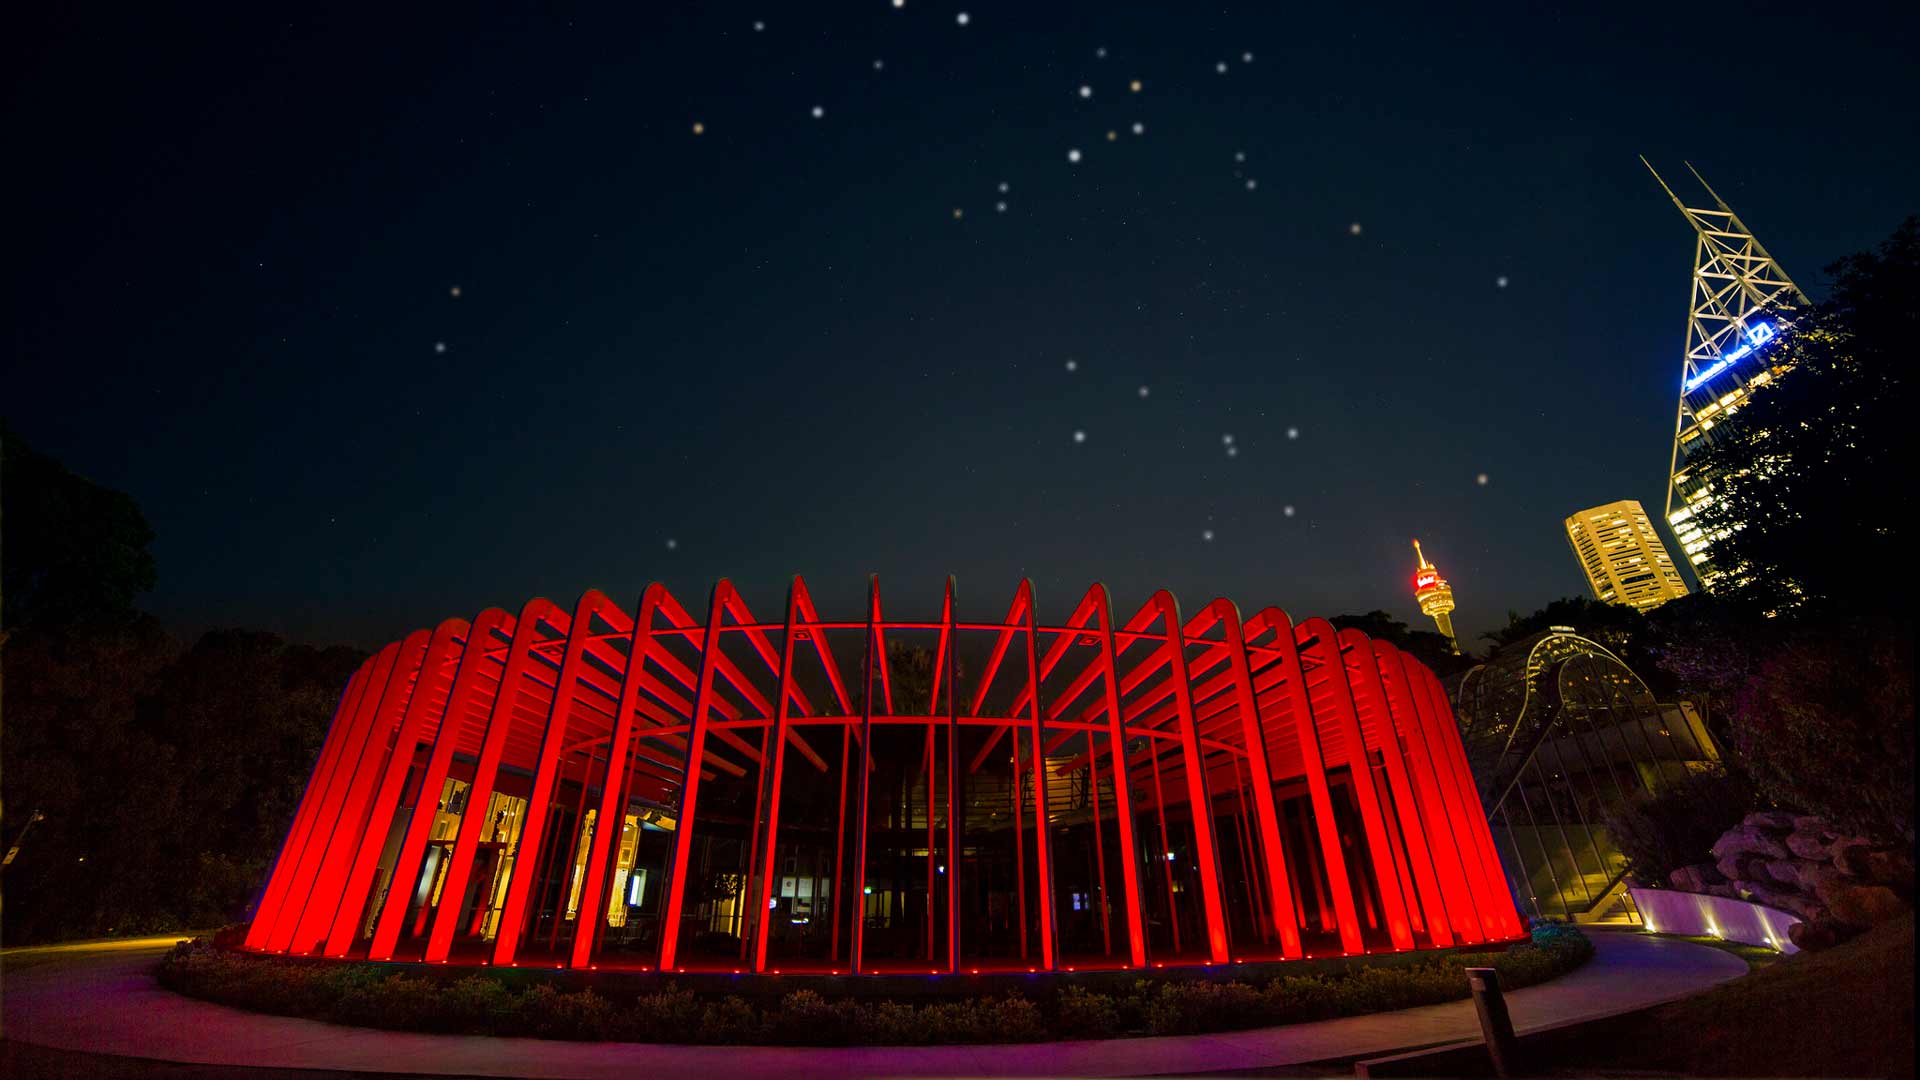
x=1233 y=451
x=758 y=26
x=963 y=18
x=672 y=543
x=879 y=65
x=1207 y=535
x=1144 y=392
x=1287 y=509
x=454 y=292
x=1073 y=365
x=1481 y=479
x=1353 y=229
x=1221 y=67
x=1293 y=433
x=1086 y=91
x=1246 y=58
x=899 y=3
x=1005 y=187
x=1100 y=53
x=1500 y=282
x=1001 y=206
x=1240 y=156
x=1139 y=128
x=439 y=346
x=1079 y=436
x=1251 y=184
x=1134 y=86
x=699 y=128
x=1073 y=156
x=958 y=213
x=1112 y=135
x=818 y=112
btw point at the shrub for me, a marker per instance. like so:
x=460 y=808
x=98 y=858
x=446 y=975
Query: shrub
x=481 y=1004
x=1662 y=831
x=1826 y=726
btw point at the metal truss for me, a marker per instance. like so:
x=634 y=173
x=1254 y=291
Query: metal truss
x=944 y=796
x=1738 y=295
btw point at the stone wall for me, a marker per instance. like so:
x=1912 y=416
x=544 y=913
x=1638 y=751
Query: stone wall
x=1837 y=885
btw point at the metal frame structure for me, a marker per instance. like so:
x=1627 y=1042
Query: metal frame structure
x=885 y=795
x=1558 y=729
x=1737 y=295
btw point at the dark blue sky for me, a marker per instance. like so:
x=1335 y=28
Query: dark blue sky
x=232 y=243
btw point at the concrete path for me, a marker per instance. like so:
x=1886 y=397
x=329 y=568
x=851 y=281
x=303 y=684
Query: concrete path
x=103 y=999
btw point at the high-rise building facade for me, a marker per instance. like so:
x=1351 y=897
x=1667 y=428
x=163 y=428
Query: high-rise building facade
x=1622 y=555
x=1734 y=315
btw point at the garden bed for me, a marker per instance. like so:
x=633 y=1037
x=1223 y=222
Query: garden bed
x=557 y=1005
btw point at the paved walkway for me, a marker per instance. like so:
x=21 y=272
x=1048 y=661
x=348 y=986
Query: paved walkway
x=103 y=999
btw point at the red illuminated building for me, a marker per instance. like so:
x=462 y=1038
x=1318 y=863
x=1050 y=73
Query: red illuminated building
x=598 y=789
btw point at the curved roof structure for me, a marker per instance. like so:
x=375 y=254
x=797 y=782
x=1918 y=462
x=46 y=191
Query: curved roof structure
x=672 y=790
x=1556 y=728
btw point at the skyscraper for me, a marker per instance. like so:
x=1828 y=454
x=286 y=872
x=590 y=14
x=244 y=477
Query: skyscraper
x=1739 y=292
x=1435 y=596
x=1623 y=557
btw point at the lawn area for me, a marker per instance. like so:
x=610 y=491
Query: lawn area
x=1844 y=1012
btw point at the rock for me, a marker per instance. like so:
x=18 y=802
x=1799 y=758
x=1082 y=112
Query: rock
x=1865 y=905
x=1790 y=901
x=1771 y=820
x=1814 y=936
x=1811 y=823
x=1890 y=868
x=1818 y=878
x=1724 y=888
x=1850 y=856
x=1735 y=867
x=1688 y=879
x=1747 y=837
x=1810 y=844
x=1784 y=871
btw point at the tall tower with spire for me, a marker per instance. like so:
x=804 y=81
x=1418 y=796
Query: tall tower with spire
x=1435 y=596
x=1739 y=295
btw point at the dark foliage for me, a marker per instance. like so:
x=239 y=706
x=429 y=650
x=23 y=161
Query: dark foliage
x=1427 y=646
x=166 y=779
x=1676 y=825
x=1825 y=725
x=75 y=552
x=374 y=996
x=1815 y=480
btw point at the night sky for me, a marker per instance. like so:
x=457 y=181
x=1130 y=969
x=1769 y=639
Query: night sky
x=1381 y=254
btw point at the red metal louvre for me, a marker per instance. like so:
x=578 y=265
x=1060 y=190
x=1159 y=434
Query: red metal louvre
x=594 y=789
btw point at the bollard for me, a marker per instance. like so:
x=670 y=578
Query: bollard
x=1495 y=1025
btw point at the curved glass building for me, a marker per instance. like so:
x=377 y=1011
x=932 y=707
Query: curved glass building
x=1556 y=728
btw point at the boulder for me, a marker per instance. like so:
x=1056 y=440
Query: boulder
x=1811 y=823
x=1688 y=879
x=1850 y=856
x=1737 y=866
x=1814 y=936
x=1772 y=820
x=1810 y=844
x=1784 y=871
x=1748 y=838
x=1790 y=901
x=1724 y=888
x=1890 y=868
x=1865 y=905
x=1817 y=878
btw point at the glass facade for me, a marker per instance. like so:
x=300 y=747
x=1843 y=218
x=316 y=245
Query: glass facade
x=1556 y=728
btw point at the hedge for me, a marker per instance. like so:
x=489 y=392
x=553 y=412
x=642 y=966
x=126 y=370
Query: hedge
x=482 y=1004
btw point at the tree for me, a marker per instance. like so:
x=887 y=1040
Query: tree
x=1427 y=646
x=1813 y=479
x=1825 y=725
x=75 y=552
